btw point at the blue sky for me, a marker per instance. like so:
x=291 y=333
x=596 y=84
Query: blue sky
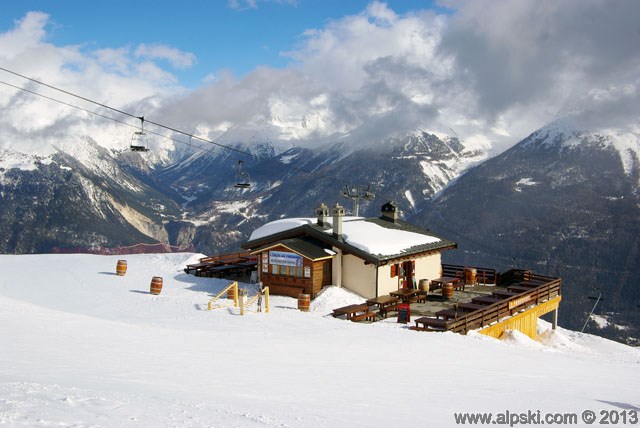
x=238 y=36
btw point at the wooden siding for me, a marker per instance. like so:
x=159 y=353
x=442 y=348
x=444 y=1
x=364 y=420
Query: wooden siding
x=294 y=286
x=526 y=322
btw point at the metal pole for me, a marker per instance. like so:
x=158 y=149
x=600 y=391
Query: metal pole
x=591 y=313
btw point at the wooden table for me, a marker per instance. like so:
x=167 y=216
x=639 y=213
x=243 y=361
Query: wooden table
x=533 y=283
x=405 y=294
x=504 y=294
x=519 y=289
x=384 y=304
x=448 y=314
x=439 y=282
x=485 y=300
x=429 y=323
x=354 y=312
x=470 y=307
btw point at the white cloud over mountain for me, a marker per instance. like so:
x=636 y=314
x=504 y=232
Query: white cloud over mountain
x=493 y=71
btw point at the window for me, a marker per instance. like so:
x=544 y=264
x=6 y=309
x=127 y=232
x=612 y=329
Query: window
x=286 y=264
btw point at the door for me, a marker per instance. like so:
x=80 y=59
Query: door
x=408 y=274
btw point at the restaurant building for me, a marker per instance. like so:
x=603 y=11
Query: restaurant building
x=369 y=256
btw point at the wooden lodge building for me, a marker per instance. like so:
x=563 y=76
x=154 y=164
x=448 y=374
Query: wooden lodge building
x=369 y=256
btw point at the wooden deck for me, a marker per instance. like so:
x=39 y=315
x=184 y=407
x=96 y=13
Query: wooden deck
x=223 y=265
x=530 y=290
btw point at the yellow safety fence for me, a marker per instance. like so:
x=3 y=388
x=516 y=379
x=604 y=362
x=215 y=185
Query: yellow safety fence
x=260 y=298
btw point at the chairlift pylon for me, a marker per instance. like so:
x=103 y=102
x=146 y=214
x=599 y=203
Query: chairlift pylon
x=242 y=178
x=139 y=141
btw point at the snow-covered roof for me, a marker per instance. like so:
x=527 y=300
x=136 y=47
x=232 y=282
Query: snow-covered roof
x=278 y=226
x=382 y=241
x=366 y=235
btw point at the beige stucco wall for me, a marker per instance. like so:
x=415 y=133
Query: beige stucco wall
x=358 y=277
x=427 y=267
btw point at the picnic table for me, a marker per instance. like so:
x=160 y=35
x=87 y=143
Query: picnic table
x=470 y=307
x=485 y=300
x=355 y=312
x=440 y=282
x=429 y=323
x=533 y=283
x=519 y=289
x=448 y=314
x=405 y=294
x=384 y=304
x=199 y=267
x=504 y=294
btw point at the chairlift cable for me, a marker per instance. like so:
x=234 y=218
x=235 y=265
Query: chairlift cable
x=106 y=117
x=169 y=128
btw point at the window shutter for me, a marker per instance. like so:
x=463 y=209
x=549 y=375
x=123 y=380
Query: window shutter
x=394 y=271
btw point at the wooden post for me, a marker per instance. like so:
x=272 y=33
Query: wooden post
x=266 y=299
x=554 y=319
x=235 y=294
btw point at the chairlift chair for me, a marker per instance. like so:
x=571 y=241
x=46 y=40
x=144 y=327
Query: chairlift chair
x=139 y=141
x=242 y=178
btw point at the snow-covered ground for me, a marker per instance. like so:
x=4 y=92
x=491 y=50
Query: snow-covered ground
x=82 y=347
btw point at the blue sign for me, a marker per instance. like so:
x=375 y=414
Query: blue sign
x=285 y=259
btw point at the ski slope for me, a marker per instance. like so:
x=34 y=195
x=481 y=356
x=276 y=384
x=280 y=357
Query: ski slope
x=82 y=347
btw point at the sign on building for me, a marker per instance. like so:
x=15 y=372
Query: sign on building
x=285 y=259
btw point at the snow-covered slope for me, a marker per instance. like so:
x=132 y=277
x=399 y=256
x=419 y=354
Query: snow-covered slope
x=80 y=346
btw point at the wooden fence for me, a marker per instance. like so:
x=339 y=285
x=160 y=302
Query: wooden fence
x=483 y=275
x=549 y=288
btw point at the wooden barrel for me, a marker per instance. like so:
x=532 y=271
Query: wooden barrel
x=121 y=267
x=156 y=285
x=424 y=284
x=447 y=290
x=231 y=294
x=304 y=302
x=470 y=276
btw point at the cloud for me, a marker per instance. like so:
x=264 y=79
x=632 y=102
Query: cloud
x=176 y=57
x=495 y=70
x=242 y=5
x=540 y=58
x=115 y=76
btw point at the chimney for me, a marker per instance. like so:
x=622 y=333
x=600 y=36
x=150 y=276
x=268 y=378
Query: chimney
x=390 y=212
x=323 y=215
x=338 y=213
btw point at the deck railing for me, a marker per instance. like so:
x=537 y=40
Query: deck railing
x=550 y=287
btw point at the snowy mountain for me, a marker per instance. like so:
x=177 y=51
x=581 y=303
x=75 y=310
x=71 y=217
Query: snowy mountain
x=291 y=183
x=85 y=197
x=84 y=347
x=564 y=202
x=79 y=193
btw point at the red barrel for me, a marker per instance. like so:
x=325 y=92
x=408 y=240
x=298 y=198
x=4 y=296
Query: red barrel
x=121 y=267
x=156 y=285
x=231 y=295
x=304 y=302
x=447 y=290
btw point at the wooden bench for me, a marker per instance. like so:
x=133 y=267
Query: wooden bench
x=430 y=324
x=368 y=316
